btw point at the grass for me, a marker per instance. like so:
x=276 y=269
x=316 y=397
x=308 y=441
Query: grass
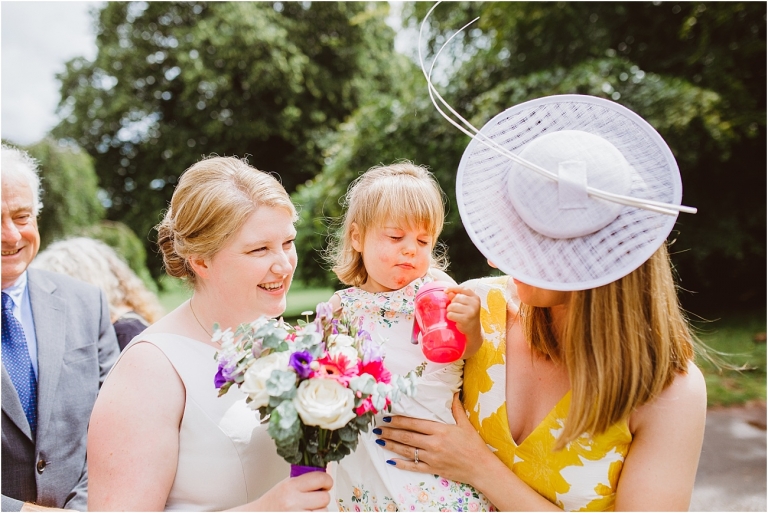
x=739 y=341
x=300 y=298
x=173 y=292
x=731 y=338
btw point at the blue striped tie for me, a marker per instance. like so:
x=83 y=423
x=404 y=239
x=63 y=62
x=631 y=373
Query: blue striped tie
x=17 y=362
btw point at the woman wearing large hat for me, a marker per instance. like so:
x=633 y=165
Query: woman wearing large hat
x=584 y=394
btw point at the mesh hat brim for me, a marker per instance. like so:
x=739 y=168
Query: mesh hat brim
x=576 y=263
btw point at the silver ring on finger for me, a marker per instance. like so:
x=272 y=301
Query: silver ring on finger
x=416 y=456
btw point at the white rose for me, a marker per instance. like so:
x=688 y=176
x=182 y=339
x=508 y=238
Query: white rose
x=255 y=379
x=341 y=341
x=343 y=344
x=325 y=403
x=348 y=351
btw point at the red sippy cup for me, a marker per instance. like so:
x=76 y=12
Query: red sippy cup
x=441 y=340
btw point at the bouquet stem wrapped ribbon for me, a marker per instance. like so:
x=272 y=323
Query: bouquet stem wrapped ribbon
x=317 y=384
x=300 y=470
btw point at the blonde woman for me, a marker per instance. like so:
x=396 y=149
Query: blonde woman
x=159 y=437
x=132 y=307
x=584 y=395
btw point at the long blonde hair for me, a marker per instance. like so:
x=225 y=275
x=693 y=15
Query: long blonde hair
x=94 y=262
x=403 y=192
x=212 y=201
x=622 y=344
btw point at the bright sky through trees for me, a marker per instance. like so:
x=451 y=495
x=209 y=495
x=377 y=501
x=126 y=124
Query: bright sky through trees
x=37 y=39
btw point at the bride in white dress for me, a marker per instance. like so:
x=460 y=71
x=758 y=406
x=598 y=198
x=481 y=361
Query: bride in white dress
x=159 y=437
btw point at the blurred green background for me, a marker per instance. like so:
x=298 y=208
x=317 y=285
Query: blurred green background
x=318 y=92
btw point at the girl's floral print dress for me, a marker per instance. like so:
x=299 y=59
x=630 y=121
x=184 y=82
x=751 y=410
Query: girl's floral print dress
x=364 y=480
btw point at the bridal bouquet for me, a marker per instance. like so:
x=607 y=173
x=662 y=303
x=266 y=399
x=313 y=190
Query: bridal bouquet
x=317 y=384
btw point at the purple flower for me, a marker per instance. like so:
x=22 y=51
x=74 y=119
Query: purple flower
x=300 y=361
x=219 y=380
x=372 y=351
x=324 y=310
x=225 y=372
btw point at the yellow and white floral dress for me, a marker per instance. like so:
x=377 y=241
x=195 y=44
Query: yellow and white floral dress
x=581 y=477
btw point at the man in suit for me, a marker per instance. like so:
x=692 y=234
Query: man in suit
x=57 y=346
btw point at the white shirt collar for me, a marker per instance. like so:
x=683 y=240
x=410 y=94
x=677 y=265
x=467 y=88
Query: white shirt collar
x=16 y=291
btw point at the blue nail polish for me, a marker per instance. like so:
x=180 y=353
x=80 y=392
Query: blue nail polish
x=381 y=442
x=387 y=419
x=376 y=431
x=391 y=462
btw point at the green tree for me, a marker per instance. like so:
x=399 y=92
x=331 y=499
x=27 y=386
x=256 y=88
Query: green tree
x=394 y=124
x=695 y=71
x=176 y=80
x=70 y=190
x=126 y=244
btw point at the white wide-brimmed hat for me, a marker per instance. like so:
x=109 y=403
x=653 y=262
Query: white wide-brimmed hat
x=568 y=192
x=565 y=192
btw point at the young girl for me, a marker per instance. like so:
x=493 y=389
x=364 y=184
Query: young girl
x=386 y=252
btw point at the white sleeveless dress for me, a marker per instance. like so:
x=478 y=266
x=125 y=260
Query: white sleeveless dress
x=226 y=457
x=364 y=481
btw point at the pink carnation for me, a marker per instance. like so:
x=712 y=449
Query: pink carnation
x=376 y=369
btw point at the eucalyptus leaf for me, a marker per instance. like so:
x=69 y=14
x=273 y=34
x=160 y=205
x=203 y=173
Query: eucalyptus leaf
x=281 y=384
x=348 y=434
x=284 y=423
x=290 y=451
x=364 y=383
x=363 y=421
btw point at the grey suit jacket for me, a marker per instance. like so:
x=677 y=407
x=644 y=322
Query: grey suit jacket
x=76 y=347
